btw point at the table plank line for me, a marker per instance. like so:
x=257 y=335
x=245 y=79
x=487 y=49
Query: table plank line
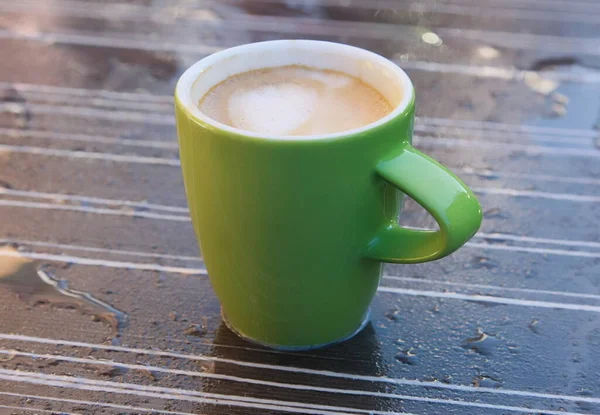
x=292 y=386
x=179 y=394
x=35 y=410
x=312 y=26
x=299 y=370
x=203 y=272
x=140 y=100
x=91 y=403
x=417 y=140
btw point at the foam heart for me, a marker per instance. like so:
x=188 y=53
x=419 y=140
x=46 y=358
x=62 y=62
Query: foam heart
x=272 y=109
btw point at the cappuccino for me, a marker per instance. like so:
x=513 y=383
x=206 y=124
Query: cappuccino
x=294 y=100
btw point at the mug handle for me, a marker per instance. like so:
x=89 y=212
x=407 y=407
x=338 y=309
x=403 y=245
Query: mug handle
x=442 y=194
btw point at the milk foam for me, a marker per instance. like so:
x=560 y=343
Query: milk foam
x=294 y=100
x=272 y=109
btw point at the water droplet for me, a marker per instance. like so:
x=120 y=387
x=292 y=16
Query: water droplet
x=431 y=39
x=8 y=358
x=539 y=84
x=482 y=343
x=152 y=375
x=482 y=262
x=197 y=330
x=486 y=382
x=21 y=113
x=5 y=184
x=556 y=110
x=533 y=326
x=36 y=286
x=553 y=63
x=112 y=371
x=513 y=348
x=17 y=360
x=488 y=52
x=12 y=95
x=560 y=98
x=486 y=174
x=407 y=357
x=206 y=367
x=392 y=315
x=496 y=213
x=447 y=379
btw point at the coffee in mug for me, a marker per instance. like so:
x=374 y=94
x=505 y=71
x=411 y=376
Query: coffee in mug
x=294 y=100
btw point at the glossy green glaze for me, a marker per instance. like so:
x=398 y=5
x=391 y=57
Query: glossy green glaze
x=444 y=195
x=293 y=231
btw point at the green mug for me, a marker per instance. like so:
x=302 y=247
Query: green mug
x=294 y=230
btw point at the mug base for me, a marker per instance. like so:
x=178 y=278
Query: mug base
x=362 y=325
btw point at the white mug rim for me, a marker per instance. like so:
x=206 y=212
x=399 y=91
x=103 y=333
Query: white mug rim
x=183 y=89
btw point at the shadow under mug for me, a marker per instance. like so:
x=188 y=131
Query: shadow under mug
x=294 y=230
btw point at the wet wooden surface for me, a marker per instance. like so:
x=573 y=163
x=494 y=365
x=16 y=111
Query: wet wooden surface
x=90 y=189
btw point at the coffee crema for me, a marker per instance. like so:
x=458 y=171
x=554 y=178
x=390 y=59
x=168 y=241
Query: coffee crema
x=294 y=100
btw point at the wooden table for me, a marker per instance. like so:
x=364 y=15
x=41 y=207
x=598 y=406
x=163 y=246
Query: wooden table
x=91 y=194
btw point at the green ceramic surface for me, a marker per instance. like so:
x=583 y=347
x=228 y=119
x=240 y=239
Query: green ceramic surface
x=294 y=232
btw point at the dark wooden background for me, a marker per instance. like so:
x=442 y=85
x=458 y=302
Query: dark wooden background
x=91 y=193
